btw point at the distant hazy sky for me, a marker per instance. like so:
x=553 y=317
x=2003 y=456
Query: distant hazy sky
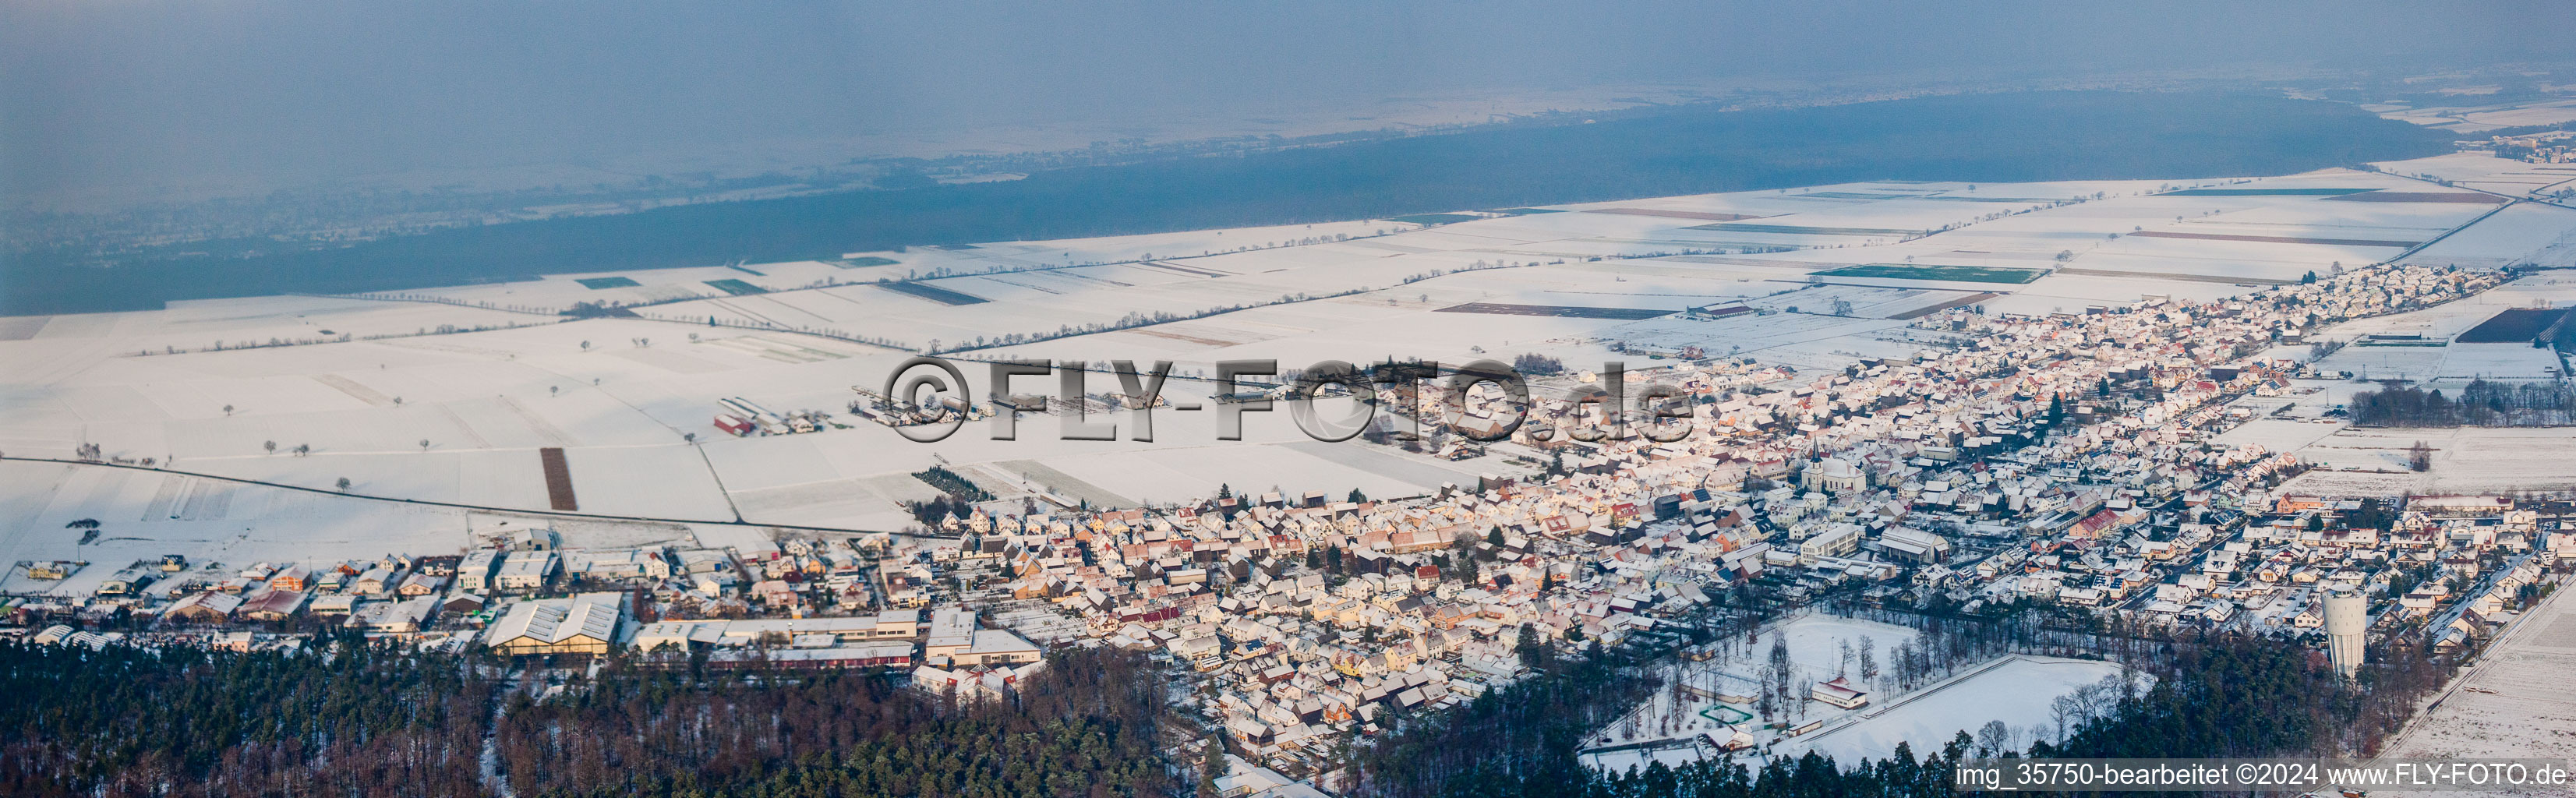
x=115 y=92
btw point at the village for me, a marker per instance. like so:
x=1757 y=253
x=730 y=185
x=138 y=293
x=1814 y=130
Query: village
x=2065 y=463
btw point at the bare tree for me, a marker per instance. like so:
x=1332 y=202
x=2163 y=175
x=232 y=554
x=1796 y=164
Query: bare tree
x=1869 y=660
x=271 y=446
x=424 y=444
x=228 y=410
x=344 y=484
x=1993 y=738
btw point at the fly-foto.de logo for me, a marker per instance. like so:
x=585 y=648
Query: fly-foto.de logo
x=927 y=399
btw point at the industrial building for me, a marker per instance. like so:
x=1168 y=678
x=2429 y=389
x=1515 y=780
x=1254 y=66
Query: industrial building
x=584 y=624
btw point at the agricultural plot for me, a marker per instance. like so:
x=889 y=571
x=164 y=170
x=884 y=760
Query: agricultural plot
x=1672 y=214
x=2332 y=242
x=1436 y=218
x=864 y=261
x=1792 y=229
x=2541 y=235
x=1968 y=274
x=933 y=293
x=2459 y=197
x=1558 y=311
x=2264 y=192
x=596 y=283
x=736 y=287
x=2485 y=172
x=2519 y=325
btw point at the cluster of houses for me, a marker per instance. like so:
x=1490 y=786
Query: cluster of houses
x=2068 y=460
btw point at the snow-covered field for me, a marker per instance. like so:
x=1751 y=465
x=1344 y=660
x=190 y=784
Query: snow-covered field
x=2487 y=173
x=2515 y=703
x=2478 y=118
x=2372 y=461
x=2530 y=233
x=2017 y=691
x=487 y=383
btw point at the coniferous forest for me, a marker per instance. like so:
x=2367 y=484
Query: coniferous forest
x=349 y=719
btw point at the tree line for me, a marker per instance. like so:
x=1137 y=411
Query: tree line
x=2480 y=404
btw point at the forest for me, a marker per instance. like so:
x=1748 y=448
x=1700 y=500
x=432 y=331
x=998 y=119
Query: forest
x=1667 y=151
x=1520 y=741
x=348 y=718
x=2479 y=404
x=126 y=721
